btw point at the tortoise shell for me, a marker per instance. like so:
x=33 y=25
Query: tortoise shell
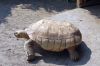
x=54 y=35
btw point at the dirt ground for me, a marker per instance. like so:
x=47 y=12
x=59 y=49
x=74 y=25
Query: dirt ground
x=14 y=15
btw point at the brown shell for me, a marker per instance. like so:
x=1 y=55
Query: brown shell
x=53 y=35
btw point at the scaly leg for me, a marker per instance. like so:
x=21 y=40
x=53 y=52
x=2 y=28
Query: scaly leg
x=73 y=53
x=28 y=46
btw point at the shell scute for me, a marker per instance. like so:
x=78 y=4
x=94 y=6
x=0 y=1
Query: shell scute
x=54 y=36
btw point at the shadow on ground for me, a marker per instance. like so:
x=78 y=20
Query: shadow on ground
x=95 y=10
x=5 y=10
x=48 y=5
x=91 y=3
x=93 y=6
x=62 y=57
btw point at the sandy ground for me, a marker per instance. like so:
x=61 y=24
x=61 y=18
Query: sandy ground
x=14 y=16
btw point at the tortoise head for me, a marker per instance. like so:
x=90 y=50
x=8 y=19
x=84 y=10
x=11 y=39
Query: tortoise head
x=21 y=34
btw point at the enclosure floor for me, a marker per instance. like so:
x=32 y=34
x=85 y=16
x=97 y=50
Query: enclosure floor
x=15 y=16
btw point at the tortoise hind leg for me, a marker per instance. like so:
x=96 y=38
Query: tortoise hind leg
x=28 y=46
x=73 y=53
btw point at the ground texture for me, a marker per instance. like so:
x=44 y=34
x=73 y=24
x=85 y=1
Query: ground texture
x=15 y=15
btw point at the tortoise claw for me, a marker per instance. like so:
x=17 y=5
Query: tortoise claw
x=31 y=58
x=74 y=56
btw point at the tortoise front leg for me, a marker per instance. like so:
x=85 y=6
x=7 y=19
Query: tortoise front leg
x=73 y=53
x=28 y=46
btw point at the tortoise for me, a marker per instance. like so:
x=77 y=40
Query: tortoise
x=51 y=35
